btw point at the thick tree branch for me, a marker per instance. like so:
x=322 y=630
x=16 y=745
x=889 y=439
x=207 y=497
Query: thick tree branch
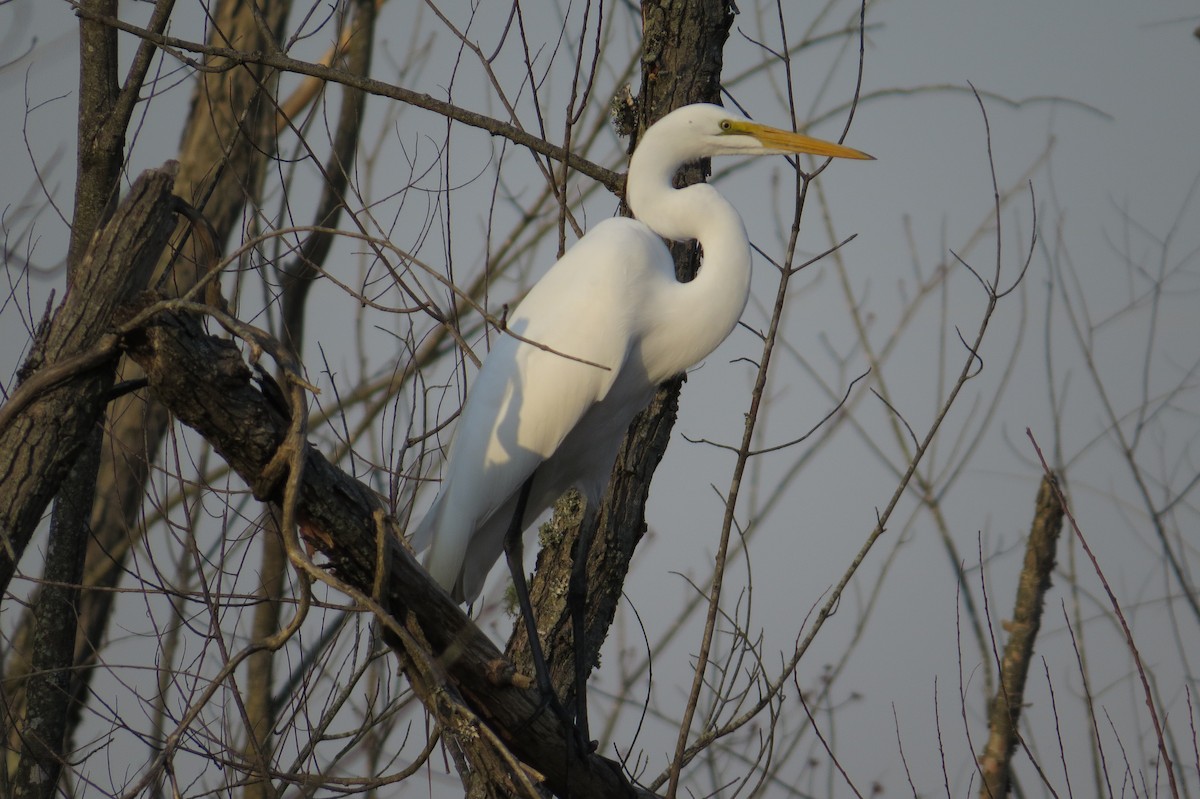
x=207 y=385
x=226 y=139
x=40 y=442
x=43 y=731
x=100 y=144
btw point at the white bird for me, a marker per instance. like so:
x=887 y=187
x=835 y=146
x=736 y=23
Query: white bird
x=613 y=301
x=613 y=322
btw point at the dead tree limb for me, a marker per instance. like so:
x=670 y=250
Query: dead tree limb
x=1005 y=712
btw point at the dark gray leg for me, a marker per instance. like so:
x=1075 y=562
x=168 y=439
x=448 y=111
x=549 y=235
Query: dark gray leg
x=513 y=549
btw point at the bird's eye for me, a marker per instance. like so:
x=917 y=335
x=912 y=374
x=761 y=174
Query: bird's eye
x=726 y=125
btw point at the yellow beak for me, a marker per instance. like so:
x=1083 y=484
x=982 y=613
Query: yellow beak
x=777 y=139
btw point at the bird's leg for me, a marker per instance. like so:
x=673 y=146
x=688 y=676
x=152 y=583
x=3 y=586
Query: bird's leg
x=513 y=547
x=577 y=602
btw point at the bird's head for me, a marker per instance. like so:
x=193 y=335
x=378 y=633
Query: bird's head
x=702 y=130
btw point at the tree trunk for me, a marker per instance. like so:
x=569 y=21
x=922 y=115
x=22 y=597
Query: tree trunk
x=229 y=131
x=54 y=416
x=62 y=393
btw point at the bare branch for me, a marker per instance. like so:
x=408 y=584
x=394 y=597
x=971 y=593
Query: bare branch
x=177 y=47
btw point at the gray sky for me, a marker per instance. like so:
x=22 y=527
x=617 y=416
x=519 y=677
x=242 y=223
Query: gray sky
x=1109 y=90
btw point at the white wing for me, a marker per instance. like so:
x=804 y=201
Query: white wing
x=526 y=401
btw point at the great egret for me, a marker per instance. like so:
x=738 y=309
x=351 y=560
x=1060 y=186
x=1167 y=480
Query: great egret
x=616 y=323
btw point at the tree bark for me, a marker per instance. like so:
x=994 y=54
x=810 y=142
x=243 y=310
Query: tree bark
x=100 y=144
x=50 y=420
x=228 y=132
x=227 y=137
x=104 y=113
x=56 y=614
x=45 y=433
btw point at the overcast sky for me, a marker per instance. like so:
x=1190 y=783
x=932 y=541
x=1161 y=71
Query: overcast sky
x=1109 y=90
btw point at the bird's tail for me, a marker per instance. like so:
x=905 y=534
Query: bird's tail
x=423 y=535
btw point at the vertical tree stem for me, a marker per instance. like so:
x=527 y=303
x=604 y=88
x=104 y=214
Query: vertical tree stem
x=1005 y=712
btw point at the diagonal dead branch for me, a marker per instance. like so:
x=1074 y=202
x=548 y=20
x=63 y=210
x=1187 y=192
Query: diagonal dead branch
x=207 y=385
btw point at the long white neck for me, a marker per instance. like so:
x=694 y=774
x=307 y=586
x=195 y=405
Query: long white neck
x=699 y=315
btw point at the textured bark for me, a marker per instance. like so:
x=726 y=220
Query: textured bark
x=55 y=414
x=1005 y=712
x=682 y=55
x=41 y=442
x=48 y=696
x=48 y=629
x=100 y=143
x=681 y=64
x=207 y=386
x=228 y=132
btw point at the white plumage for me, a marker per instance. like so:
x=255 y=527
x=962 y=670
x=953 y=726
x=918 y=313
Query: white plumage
x=612 y=299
